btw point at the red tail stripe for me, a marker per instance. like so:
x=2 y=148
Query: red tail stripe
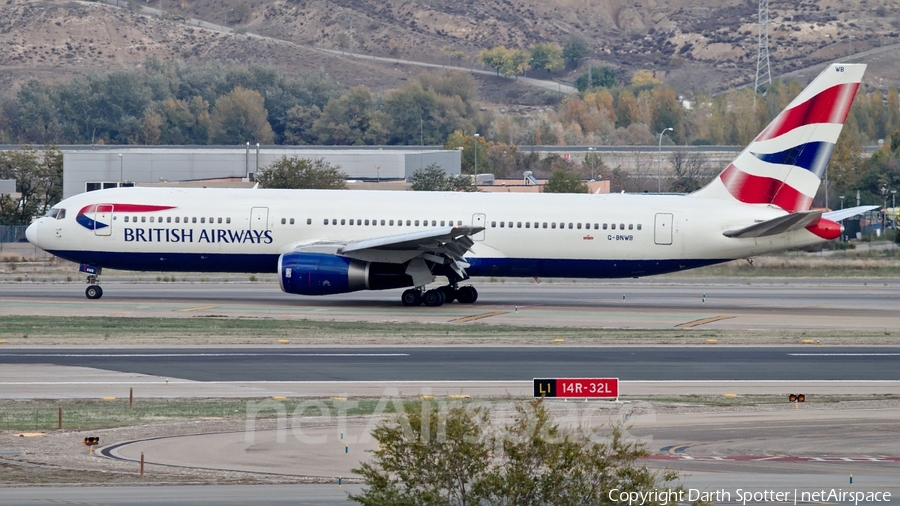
x=829 y=106
x=751 y=189
x=125 y=208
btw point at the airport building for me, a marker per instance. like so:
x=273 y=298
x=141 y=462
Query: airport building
x=94 y=168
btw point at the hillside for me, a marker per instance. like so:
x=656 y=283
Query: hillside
x=699 y=45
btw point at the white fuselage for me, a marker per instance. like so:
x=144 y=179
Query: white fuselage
x=529 y=235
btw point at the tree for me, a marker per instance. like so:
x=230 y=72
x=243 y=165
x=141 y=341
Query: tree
x=561 y=181
x=603 y=76
x=302 y=173
x=38 y=179
x=433 y=179
x=627 y=110
x=431 y=453
x=469 y=144
x=667 y=112
x=575 y=49
x=547 y=56
x=299 y=126
x=496 y=57
x=691 y=171
x=238 y=117
x=352 y=119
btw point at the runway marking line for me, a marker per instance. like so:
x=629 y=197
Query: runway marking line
x=201 y=308
x=702 y=321
x=474 y=317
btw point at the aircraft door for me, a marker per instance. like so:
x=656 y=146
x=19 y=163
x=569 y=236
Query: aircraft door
x=478 y=220
x=103 y=216
x=662 y=233
x=259 y=218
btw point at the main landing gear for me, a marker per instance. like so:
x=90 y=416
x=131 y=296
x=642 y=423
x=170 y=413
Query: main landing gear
x=438 y=296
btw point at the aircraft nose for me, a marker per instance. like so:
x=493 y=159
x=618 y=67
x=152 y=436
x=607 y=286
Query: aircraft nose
x=31 y=233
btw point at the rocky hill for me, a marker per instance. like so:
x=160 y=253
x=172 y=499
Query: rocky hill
x=696 y=45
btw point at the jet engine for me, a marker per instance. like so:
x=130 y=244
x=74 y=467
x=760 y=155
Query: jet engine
x=324 y=274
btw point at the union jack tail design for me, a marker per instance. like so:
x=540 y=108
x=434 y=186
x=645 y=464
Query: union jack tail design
x=785 y=163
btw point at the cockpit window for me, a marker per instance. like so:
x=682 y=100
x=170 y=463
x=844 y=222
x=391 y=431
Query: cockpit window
x=61 y=215
x=52 y=213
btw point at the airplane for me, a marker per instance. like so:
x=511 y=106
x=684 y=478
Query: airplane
x=323 y=242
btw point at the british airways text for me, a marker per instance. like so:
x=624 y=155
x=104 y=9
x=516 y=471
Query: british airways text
x=207 y=236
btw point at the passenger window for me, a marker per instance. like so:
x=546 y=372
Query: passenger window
x=309 y=221
x=219 y=220
x=510 y=224
x=459 y=223
x=350 y=222
x=630 y=226
x=553 y=225
x=442 y=223
x=621 y=226
x=579 y=226
x=326 y=221
x=527 y=224
x=283 y=221
x=343 y=222
x=613 y=226
x=202 y=220
x=178 y=219
x=194 y=219
x=596 y=226
x=604 y=226
x=367 y=222
x=143 y=219
x=417 y=223
x=151 y=219
x=536 y=224
x=493 y=224
x=382 y=222
x=228 y=220
x=433 y=223
x=391 y=223
x=292 y=221
x=545 y=225
x=519 y=224
x=126 y=219
x=570 y=226
x=639 y=226
x=502 y=223
x=211 y=221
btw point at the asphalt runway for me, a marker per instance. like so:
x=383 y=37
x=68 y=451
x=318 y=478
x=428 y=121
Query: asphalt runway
x=808 y=304
x=631 y=363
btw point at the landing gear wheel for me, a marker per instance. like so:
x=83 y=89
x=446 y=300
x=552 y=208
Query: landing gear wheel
x=449 y=293
x=434 y=298
x=467 y=295
x=411 y=297
x=93 y=292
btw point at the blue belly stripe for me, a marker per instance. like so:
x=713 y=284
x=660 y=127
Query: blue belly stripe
x=502 y=267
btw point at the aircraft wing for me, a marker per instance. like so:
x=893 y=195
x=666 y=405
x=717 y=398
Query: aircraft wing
x=842 y=214
x=779 y=225
x=444 y=245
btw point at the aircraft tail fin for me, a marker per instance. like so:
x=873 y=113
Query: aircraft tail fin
x=784 y=165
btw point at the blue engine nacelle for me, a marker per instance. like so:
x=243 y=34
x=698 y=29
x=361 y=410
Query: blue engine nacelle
x=324 y=274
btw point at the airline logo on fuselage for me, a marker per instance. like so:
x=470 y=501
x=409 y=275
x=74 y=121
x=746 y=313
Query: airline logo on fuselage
x=89 y=217
x=187 y=235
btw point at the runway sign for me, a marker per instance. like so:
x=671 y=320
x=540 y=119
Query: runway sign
x=594 y=388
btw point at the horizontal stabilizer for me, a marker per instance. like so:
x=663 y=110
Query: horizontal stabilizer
x=780 y=225
x=842 y=214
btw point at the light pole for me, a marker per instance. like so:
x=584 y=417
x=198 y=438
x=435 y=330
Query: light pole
x=475 y=174
x=659 y=160
x=842 y=201
x=591 y=154
x=121 y=178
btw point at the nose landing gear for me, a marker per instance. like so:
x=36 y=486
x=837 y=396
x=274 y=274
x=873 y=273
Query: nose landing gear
x=93 y=291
